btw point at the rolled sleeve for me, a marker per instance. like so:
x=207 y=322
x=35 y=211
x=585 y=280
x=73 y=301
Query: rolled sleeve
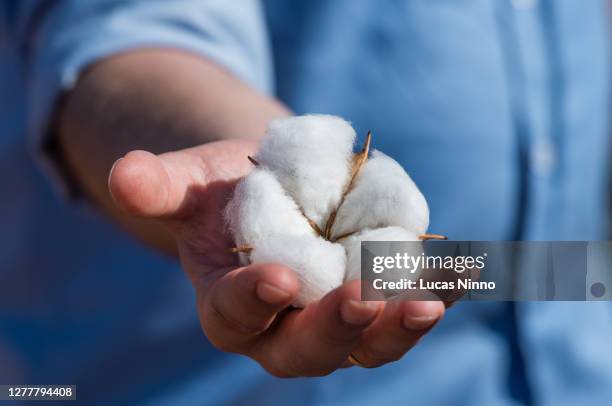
x=60 y=39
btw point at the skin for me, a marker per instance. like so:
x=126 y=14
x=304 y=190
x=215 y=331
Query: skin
x=159 y=101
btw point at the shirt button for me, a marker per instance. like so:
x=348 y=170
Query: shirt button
x=543 y=157
x=523 y=4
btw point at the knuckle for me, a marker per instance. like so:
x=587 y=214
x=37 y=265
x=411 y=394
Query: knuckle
x=220 y=340
x=234 y=324
x=223 y=339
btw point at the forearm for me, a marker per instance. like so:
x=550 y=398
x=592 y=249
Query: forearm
x=155 y=100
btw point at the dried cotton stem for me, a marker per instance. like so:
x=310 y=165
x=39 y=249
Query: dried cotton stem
x=359 y=161
x=425 y=237
x=241 y=248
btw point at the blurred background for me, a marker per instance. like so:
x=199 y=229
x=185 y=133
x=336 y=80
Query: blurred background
x=497 y=108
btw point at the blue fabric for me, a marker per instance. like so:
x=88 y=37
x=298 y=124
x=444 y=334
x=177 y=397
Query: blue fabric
x=498 y=109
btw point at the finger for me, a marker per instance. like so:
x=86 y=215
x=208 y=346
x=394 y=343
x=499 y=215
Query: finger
x=240 y=305
x=147 y=185
x=317 y=340
x=396 y=331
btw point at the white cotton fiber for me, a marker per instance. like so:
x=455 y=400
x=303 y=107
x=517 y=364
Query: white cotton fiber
x=383 y=195
x=352 y=245
x=263 y=216
x=261 y=208
x=310 y=156
x=302 y=168
x=319 y=264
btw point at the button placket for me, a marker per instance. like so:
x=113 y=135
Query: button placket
x=543 y=157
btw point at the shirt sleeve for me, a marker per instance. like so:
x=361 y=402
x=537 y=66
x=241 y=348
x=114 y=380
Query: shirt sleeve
x=59 y=39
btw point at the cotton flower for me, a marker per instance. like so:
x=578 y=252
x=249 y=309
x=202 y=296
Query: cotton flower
x=310 y=201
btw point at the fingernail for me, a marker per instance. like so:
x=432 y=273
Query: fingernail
x=271 y=294
x=421 y=315
x=358 y=313
x=113 y=167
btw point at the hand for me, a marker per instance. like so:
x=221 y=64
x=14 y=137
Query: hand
x=247 y=310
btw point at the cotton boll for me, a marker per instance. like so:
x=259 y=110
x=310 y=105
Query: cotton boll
x=262 y=216
x=352 y=244
x=383 y=195
x=311 y=157
x=301 y=171
x=319 y=264
x=260 y=207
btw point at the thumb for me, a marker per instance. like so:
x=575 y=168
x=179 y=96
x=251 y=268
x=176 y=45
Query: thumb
x=146 y=185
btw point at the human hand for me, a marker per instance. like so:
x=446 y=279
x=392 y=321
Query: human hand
x=247 y=310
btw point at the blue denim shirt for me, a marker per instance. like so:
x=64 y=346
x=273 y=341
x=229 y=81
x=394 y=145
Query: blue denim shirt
x=497 y=108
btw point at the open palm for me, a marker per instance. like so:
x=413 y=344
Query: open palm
x=247 y=310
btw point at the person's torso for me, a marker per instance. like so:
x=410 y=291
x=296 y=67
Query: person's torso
x=458 y=91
